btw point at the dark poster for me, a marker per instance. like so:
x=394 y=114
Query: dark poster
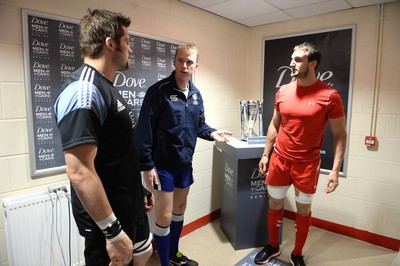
x=335 y=69
x=152 y=61
x=51 y=54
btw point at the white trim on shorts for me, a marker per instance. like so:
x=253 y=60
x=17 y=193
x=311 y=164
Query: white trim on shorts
x=144 y=246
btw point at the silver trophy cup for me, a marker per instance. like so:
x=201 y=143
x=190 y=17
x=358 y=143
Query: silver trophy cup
x=249 y=110
x=260 y=118
x=242 y=119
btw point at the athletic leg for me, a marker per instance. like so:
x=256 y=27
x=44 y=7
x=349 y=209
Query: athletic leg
x=179 y=207
x=276 y=200
x=275 y=216
x=305 y=180
x=142 y=248
x=162 y=237
x=302 y=220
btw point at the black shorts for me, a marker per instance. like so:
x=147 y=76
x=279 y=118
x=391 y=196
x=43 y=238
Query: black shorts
x=95 y=247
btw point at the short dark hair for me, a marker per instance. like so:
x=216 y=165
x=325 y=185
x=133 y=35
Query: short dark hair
x=312 y=50
x=96 y=26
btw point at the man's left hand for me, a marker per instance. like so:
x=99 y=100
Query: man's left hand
x=221 y=135
x=333 y=182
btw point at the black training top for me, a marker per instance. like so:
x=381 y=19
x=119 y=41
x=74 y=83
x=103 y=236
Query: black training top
x=89 y=110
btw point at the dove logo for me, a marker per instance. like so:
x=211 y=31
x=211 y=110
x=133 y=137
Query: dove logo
x=121 y=80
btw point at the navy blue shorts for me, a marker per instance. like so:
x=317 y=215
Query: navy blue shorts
x=169 y=179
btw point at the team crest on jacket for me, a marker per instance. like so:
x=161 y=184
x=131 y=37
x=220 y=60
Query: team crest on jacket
x=174 y=97
x=195 y=102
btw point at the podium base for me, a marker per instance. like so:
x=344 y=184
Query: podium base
x=256 y=140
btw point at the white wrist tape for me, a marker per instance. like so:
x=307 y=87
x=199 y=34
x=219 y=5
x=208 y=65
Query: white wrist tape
x=103 y=224
x=121 y=235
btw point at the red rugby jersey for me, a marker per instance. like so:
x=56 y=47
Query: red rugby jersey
x=305 y=112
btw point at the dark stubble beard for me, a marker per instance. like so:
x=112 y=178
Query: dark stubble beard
x=123 y=67
x=301 y=75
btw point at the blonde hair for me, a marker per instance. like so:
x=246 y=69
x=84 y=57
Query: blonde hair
x=188 y=47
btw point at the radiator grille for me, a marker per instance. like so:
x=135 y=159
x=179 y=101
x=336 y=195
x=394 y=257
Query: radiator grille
x=40 y=230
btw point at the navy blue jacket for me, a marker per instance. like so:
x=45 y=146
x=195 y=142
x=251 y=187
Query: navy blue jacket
x=169 y=125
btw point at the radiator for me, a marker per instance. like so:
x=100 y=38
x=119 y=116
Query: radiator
x=40 y=230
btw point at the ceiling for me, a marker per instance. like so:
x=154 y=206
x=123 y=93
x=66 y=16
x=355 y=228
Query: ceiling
x=259 y=12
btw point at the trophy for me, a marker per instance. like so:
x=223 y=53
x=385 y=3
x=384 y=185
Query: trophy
x=251 y=116
x=260 y=118
x=249 y=110
x=242 y=119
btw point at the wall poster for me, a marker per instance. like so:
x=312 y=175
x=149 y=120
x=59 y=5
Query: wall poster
x=336 y=69
x=51 y=54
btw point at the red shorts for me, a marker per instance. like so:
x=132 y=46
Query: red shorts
x=303 y=175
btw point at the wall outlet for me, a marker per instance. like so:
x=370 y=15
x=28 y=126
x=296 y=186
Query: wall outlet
x=54 y=188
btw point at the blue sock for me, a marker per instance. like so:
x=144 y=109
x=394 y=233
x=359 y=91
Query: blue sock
x=176 y=230
x=162 y=237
